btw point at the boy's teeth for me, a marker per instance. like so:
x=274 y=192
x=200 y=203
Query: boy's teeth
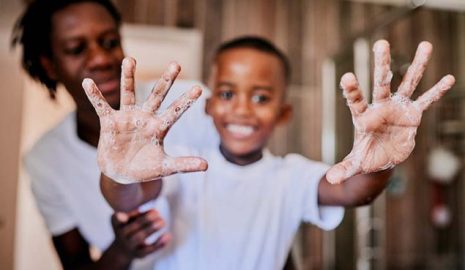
x=240 y=129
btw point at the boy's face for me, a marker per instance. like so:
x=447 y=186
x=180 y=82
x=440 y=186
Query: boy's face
x=247 y=100
x=85 y=43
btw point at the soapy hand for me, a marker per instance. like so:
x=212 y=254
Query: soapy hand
x=130 y=148
x=385 y=130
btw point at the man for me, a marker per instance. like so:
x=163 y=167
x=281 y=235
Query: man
x=65 y=41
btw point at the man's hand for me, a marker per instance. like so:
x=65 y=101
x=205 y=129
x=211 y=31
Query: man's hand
x=130 y=148
x=385 y=130
x=132 y=229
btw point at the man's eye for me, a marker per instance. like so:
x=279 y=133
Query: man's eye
x=226 y=95
x=75 y=50
x=260 y=99
x=110 y=43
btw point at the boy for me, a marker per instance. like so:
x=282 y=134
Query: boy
x=243 y=212
x=64 y=41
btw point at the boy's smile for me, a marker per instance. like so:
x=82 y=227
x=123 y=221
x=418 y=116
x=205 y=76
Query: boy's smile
x=247 y=102
x=240 y=131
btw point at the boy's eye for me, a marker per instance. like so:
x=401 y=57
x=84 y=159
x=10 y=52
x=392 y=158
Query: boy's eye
x=260 y=99
x=226 y=95
x=110 y=43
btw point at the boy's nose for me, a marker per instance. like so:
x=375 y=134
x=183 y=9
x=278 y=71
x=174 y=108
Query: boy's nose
x=242 y=107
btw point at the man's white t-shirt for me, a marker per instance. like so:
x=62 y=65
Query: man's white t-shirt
x=242 y=217
x=65 y=176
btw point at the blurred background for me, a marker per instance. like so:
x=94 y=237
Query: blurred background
x=417 y=223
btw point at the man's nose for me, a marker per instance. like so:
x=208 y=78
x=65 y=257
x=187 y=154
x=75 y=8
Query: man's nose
x=98 y=57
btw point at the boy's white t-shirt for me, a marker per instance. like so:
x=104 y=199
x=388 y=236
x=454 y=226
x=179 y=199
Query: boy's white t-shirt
x=65 y=181
x=242 y=217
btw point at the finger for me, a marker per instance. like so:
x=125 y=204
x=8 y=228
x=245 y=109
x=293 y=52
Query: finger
x=121 y=217
x=179 y=106
x=140 y=221
x=96 y=98
x=435 y=93
x=161 y=88
x=382 y=74
x=355 y=100
x=341 y=171
x=128 y=69
x=161 y=242
x=188 y=164
x=115 y=222
x=124 y=217
x=139 y=237
x=416 y=69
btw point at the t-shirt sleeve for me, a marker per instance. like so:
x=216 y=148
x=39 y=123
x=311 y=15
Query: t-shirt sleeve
x=309 y=173
x=50 y=200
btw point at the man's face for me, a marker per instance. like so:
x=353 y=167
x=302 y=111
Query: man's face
x=247 y=100
x=86 y=44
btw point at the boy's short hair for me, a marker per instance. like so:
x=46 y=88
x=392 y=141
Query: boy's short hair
x=33 y=29
x=260 y=44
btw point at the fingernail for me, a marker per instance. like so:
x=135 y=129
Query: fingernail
x=87 y=83
x=159 y=224
x=122 y=217
x=165 y=238
x=174 y=67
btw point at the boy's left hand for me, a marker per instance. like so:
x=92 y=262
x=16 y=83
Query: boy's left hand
x=385 y=130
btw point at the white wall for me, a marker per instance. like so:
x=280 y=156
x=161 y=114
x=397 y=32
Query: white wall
x=10 y=120
x=34 y=249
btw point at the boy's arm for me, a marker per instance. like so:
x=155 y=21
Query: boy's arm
x=130 y=150
x=126 y=197
x=357 y=190
x=384 y=131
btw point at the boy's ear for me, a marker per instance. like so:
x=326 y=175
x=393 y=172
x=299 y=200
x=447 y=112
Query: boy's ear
x=49 y=67
x=285 y=114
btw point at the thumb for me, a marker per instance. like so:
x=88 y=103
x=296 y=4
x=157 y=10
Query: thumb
x=342 y=170
x=189 y=164
x=122 y=217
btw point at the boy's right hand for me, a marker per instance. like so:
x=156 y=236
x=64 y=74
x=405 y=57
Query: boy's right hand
x=130 y=148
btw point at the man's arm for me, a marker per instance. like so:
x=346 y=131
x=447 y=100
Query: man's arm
x=73 y=251
x=131 y=231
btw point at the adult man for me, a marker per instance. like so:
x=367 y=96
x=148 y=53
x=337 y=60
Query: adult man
x=65 y=41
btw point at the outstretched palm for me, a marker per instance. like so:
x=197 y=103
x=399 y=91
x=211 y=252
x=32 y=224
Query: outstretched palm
x=130 y=148
x=385 y=131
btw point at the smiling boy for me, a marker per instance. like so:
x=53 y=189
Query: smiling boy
x=248 y=97
x=243 y=212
